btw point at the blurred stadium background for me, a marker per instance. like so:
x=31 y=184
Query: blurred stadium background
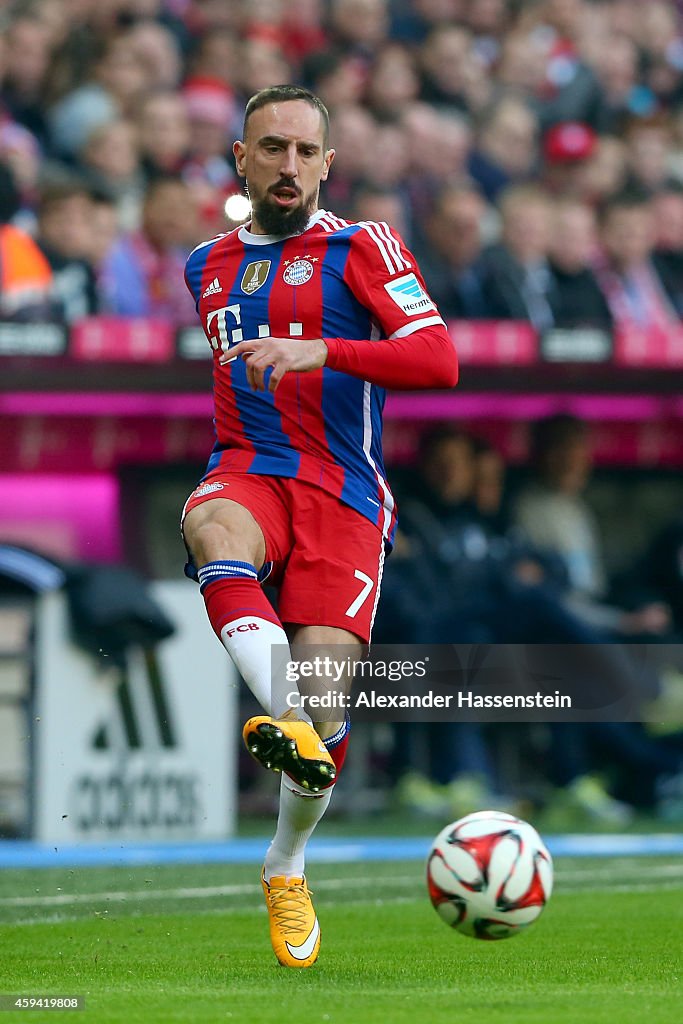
x=531 y=154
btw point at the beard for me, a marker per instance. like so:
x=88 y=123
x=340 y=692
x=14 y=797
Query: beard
x=274 y=220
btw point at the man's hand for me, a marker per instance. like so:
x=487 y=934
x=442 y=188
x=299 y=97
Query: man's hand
x=653 y=618
x=282 y=354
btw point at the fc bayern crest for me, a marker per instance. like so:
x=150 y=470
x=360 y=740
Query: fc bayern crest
x=298 y=272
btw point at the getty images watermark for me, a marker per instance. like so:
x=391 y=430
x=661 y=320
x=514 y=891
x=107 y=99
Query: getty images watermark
x=326 y=668
x=472 y=682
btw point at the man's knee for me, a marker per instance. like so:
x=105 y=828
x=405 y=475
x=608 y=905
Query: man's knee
x=225 y=532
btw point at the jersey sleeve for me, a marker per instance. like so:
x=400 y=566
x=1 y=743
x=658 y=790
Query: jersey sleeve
x=413 y=348
x=383 y=275
x=193 y=275
x=194 y=267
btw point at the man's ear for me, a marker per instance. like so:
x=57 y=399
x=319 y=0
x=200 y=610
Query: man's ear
x=240 y=150
x=329 y=157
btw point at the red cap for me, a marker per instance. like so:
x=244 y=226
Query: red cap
x=568 y=142
x=209 y=99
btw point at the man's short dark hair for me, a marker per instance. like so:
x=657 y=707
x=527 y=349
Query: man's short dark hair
x=437 y=437
x=10 y=197
x=284 y=94
x=556 y=432
x=56 y=192
x=633 y=197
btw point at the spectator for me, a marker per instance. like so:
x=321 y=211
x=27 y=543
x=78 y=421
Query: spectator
x=262 y=19
x=360 y=26
x=215 y=55
x=260 y=63
x=489 y=489
x=381 y=205
x=522 y=67
x=211 y=113
x=661 y=37
x=209 y=168
x=566 y=149
x=123 y=71
x=455 y=137
x=140 y=275
x=506 y=147
x=452 y=77
x=439 y=154
x=158 y=51
x=20 y=151
x=73 y=119
x=110 y=162
x=303 y=31
x=556 y=519
x=163 y=133
x=337 y=77
x=352 y=132
x=27 y=61
x=487 y=20
x=25 y=275
x=413 y=20
x=577 y=300
x=518 y=283
x=451 y=256
x=569 y=89
x=392 y=170
x=617 y=70
x=603 y=173
x=637 y=293
x=668 y=254
x=392 y=82
x=647 y=150
x=65 y=215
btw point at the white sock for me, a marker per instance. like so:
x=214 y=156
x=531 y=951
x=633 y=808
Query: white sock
x=248 y=640
x=300 y=812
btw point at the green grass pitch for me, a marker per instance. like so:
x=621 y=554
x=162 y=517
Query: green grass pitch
x=190 y=944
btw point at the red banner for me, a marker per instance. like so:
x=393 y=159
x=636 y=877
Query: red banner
x=494 y=343
x=115 y=339
x=653 y=348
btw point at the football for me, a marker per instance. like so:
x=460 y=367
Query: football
x=489 y=875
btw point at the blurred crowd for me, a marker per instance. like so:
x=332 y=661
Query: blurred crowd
x=530 y=151
x=480 y=563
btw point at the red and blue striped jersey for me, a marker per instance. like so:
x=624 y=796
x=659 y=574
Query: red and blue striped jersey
x=336 y=280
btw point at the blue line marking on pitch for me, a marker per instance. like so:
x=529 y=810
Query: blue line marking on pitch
x=21 y=854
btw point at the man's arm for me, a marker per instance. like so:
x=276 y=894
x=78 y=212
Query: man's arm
x=424 y=359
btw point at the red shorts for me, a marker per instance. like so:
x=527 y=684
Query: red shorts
x=327 y=558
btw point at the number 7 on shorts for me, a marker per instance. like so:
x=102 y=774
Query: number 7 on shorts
x=357 y=602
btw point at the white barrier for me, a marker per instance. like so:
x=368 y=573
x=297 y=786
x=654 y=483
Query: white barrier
x=143 y=752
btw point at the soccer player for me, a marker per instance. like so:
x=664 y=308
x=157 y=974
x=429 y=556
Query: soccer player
x=310 y=319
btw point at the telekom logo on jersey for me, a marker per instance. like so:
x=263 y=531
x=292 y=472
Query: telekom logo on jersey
x=224 y=327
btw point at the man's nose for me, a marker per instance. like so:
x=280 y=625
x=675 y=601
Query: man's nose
x=288 y=167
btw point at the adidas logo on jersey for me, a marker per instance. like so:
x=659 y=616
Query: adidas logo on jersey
x=213 y=288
